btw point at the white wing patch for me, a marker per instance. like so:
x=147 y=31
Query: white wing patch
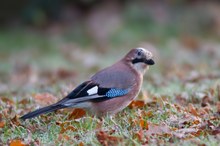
x=93 y=90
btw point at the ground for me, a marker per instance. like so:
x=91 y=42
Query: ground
x=179 y=103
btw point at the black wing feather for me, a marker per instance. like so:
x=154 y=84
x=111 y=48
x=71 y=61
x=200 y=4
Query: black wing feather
x=78 y=92
x=43 y=110
x=81 y=90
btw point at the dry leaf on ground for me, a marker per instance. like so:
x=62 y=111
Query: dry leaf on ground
x=106 y=139
x=136 y=104
x=77 y=113
x=16 y=142
x=44 y=98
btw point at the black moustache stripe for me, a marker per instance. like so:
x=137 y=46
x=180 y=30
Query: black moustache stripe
x=136 y=60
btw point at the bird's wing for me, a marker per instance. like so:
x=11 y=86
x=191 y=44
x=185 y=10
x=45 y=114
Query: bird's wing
x=91 y=91
x=118 y=75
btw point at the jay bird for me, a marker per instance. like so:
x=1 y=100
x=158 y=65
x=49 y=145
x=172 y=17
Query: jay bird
x=109 y=90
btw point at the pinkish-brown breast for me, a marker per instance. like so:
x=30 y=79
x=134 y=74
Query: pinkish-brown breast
x=129 y=78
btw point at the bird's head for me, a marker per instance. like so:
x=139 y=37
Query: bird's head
x=140 y=59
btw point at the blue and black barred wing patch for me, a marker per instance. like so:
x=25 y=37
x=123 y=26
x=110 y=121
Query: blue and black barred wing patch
x=114 y=92
x=109 y=93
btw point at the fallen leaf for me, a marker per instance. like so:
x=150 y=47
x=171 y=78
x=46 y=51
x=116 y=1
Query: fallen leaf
x=15 y=121
x=143 y=124
x=139 y=135
x=151 y=104
x=7 y=100
x=216 y=131
x=188 y=120
x=196 y=122
x=193 y=110
x=218 y=92
x=218 y=107
x=202 y=111
x=71 y=128
x=212 y=91
x=16 y=142
x=178 y=107
x=181 y=98
x=2 y=124
x=197 y=133
x=183 y=133
x=157 y=129
x=77 y=113
x=44 y=98
x=144 y=113
x=107 y=140
x=136 y=104
x=63 y=73
x=81 y=144
x=205 y=101
x=63 y=137
x=65 y=126
x=23 y=101
x=1 y=116
x=190 y=42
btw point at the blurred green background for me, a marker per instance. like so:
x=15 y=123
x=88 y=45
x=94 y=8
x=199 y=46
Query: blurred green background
x=64 y=39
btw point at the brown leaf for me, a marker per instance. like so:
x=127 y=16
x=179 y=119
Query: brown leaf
x=157 y=129
x=63 y=73
x=2 y=124
x=212 y=91
x=202 y=111
x=178 y=107
x=81 y=144
x=190 y=42
x=23 y=101
x=63 y=137
x=77 y=113
x=106 y=139
x=15 y=121
x=205 y=101
x=143 y=124
x=71 y=128
x=195 y=122
x=44 y=98
x=188 y=120
x=218 y=107
x=193 y=110
x=215 y=131
x=144 y=113
x=139 y=135
x=218 y=91
x=181 y=99
x=1 y=116
x=16 y=142
x=7 y=100
x=184 y=133
x=136 y=104
x=65 y=126
x=152 y=104
x=197 y=133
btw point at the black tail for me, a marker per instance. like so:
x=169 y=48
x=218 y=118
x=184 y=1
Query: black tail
x=42 y=111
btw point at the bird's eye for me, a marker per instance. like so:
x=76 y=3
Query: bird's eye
x=139 y=53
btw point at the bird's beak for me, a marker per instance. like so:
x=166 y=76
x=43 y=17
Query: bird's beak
x=149 y=61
